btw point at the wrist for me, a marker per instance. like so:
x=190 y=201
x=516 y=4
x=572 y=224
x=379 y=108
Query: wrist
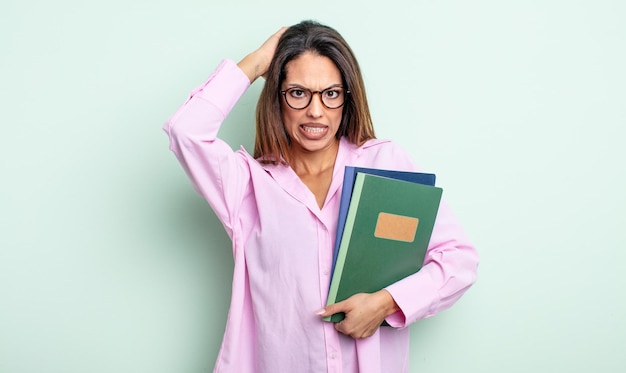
x=390 y=305
x=253 y=65
x=247 y=65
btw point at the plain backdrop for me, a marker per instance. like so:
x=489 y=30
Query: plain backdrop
x=109 y=261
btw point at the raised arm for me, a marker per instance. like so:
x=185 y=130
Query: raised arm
x=256 y=63
x=217 y=173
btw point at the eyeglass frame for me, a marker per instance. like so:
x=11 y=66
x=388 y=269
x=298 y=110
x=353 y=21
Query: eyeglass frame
x=345 y=91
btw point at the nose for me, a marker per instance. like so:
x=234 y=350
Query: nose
x=316 y=107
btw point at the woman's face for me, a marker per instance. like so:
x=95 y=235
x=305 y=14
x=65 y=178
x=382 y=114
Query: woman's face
x=313 y=128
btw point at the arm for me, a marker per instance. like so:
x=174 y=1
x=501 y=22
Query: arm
x=449 y=270
x=217 y=173
x=214 y=169
x=256 y=63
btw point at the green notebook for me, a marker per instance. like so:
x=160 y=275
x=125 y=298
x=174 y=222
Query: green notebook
x=387 y=231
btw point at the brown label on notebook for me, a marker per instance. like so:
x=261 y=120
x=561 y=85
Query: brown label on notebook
x=396 y=227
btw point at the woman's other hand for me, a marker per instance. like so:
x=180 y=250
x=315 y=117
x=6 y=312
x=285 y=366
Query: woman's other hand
x=363 y=313
x=256 y=63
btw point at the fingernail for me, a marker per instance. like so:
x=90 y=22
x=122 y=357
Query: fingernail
x=320 y=311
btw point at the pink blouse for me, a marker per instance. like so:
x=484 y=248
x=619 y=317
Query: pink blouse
x=283 y=242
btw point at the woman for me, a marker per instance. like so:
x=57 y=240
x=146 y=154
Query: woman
x=280 y=209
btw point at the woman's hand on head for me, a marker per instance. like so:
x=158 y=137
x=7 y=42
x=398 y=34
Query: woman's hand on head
x=363 y=313
x=257 y=63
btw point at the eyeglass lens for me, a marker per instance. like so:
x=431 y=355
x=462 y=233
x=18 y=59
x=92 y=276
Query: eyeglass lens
x=300 y=98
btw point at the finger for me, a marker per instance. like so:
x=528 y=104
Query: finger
x=273 y=40
x=348 y=328
x=280 y=32
x=325 y=312
x=268 y=49
x=334 y=308
x=339 y=327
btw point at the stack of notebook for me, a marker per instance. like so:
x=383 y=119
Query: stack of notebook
x=386 y=219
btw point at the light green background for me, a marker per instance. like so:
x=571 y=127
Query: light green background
x=109 y=262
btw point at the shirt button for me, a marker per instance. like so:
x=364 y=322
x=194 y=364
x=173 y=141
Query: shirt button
x=333 y=356
x=326 y=272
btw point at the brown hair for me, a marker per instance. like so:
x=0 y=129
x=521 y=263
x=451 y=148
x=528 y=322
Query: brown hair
x=272 y=141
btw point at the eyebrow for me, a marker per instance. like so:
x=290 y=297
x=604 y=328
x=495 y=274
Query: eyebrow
x=296 y=85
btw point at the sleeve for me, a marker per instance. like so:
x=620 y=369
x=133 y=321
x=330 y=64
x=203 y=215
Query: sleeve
x=217 y=173
x=450 y=268
x=451 y=262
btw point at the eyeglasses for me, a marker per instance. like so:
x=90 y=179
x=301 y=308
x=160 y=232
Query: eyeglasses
x=299 y=98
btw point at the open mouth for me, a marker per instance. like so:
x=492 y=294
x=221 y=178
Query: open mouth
x=313 y=129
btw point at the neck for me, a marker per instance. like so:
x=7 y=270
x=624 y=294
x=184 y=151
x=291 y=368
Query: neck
x=316 y=162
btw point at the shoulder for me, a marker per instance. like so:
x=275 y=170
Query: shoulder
x=383 y=153
x=384 y=148
x=372 y=145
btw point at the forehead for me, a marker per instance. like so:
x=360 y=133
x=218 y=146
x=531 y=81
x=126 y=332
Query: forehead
x=312 y=71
